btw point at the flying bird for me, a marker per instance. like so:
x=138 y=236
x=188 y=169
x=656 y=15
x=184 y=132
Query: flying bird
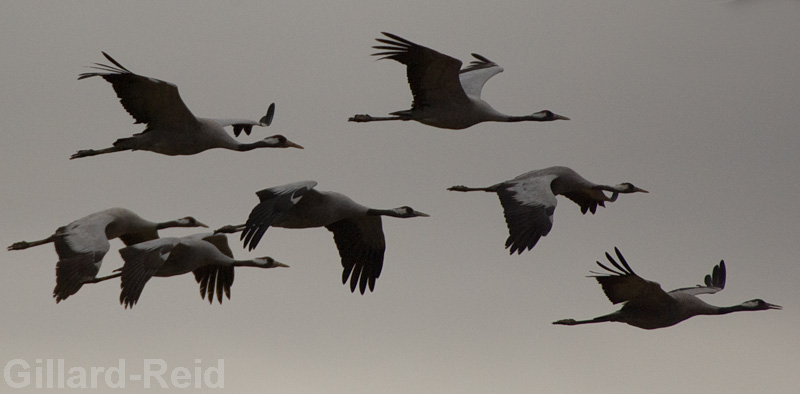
x=529 y=201
x=82 y=244
x=357 y=229
x=646 y=305
x=445 y=95
x=172 y=129
x=206 y=255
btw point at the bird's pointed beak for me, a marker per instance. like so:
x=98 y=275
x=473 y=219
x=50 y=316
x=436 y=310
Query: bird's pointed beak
x=422 y=214
x=773 y=306
x=290 y=144
x=201 y=225
x=277 y=264
x=560 y=117
x=641 y=190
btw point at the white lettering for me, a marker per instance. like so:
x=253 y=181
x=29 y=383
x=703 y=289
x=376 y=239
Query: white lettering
x=77 y=378
x=95 y=371
x=157 y=374
x=220 y=372
x=120 y=371
x=52 y=373
x=198 y=376
x=38 y=371
x=24 y=374
x=181 y=377
x=61 y=373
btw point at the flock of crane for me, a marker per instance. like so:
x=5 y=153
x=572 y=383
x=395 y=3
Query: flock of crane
x=444 y=96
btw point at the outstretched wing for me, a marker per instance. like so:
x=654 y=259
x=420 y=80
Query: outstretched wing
x=361 y=247
x=432 y=76
x=81 y=246
x=528 y=206
x=713 y=282
x=623 y=285
x=216 y=278
x=141 y=263
x=275 y=201
x=474 y=76
x=148 y=100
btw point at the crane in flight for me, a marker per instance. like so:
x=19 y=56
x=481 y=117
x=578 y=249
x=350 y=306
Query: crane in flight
x=172 y=129
x=82 y=244
x=646 y=305
x=206 y=255
x=445 y=95
x=357 y=229
x=529 y=201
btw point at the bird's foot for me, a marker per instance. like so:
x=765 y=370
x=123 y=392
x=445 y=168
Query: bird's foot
x=360 y=118
x=458 y=188
x=229 y=229
x=83 y=153
x=20 y=245
x=566 y=322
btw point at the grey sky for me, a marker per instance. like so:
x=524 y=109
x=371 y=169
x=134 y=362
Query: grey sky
x=696 y=101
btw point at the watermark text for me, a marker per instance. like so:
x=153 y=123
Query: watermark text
x=155 y=372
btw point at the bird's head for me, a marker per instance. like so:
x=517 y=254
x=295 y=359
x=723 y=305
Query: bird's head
x=268 y=262
x=279 y=141
x=759 y=305
x=548 y=116
x=408 y=212
x=627 y=187
x=189 y=222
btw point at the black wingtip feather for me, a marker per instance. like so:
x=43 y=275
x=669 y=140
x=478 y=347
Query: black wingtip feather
x=623 y=261
x=396 y=38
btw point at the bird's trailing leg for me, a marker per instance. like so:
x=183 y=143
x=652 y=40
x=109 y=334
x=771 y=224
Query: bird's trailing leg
x=102 y=278
x=462 y=188
x=599 y=319
x=230 y=229
x=369 y=118
x=25 y=244
x=93 y=152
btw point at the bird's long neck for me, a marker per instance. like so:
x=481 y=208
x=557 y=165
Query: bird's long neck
x=382 y=212
x=248 y=146
x=543 y=116
x=247 y=263
x=724 y=310
x=169 y=224
x=524 y=118
x=489 y=114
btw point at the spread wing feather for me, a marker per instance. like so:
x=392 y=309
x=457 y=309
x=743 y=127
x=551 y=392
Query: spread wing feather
x=147 y=100
x=361 y=245
x=432 y=76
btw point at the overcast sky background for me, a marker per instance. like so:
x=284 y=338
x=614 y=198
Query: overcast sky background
x=696 y=101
